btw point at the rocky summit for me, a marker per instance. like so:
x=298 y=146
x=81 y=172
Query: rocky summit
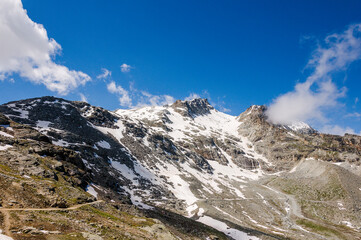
x=69 y=170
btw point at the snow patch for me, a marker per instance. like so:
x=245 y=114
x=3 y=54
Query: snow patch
x=23 y=113
x=340 y=206
x=117 y=133
x=221 y=226
x=61 y=143
x=103 y=144
x=181 y=190
x=200 y=212
x=5 y=147
x=136 y=199
x=125 y=171
x=348 y=224
x=43 y=124
x=299 y=127
x=91 y=191
x=4 y=237
x=6 y=134
x=191 y=209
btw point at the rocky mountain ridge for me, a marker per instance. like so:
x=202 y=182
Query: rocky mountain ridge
x=241 y=175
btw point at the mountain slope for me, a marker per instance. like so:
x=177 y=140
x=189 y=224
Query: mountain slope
x=44 y=194
x=242 y=172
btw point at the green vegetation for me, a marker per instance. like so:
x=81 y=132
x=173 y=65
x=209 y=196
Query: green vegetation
x=5 y=168
x=331 y=190
x=100 y=213
x=123 y=217
x=70 y=236
x=319 y=228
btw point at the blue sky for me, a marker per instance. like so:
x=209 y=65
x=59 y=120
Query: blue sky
x=236 y=53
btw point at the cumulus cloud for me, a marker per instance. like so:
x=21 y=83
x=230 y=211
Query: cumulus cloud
x=303 y=104
x=311 y=98
x=338 y=130
x=125 y=68
x=134 y=98
x=105 y=74
x=26 y=50
x=192 y=96
x=147 y=99
x=124 y=98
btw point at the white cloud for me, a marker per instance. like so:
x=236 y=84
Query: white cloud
x=135 y=98
x=105 y=74
x=83 y=98
x=26 y=50
x=192 y=96
x=337 y=130
x=2 y=76
x=223 y=109
x=147 y=99
x=125 y=68
x=220 y=105
x=355 y=114
x=310 y=99
x=124 y=98
x=303 y=104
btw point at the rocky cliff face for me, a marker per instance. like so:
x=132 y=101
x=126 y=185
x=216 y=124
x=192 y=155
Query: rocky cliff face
x=241 y=175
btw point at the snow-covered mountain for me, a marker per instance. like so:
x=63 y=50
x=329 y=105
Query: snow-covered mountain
x=239 y=174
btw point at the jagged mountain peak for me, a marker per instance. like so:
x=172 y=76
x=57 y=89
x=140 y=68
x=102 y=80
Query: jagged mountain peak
x=254 y=111
x=194 y=107
x=300 y=127
x=256 y=114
